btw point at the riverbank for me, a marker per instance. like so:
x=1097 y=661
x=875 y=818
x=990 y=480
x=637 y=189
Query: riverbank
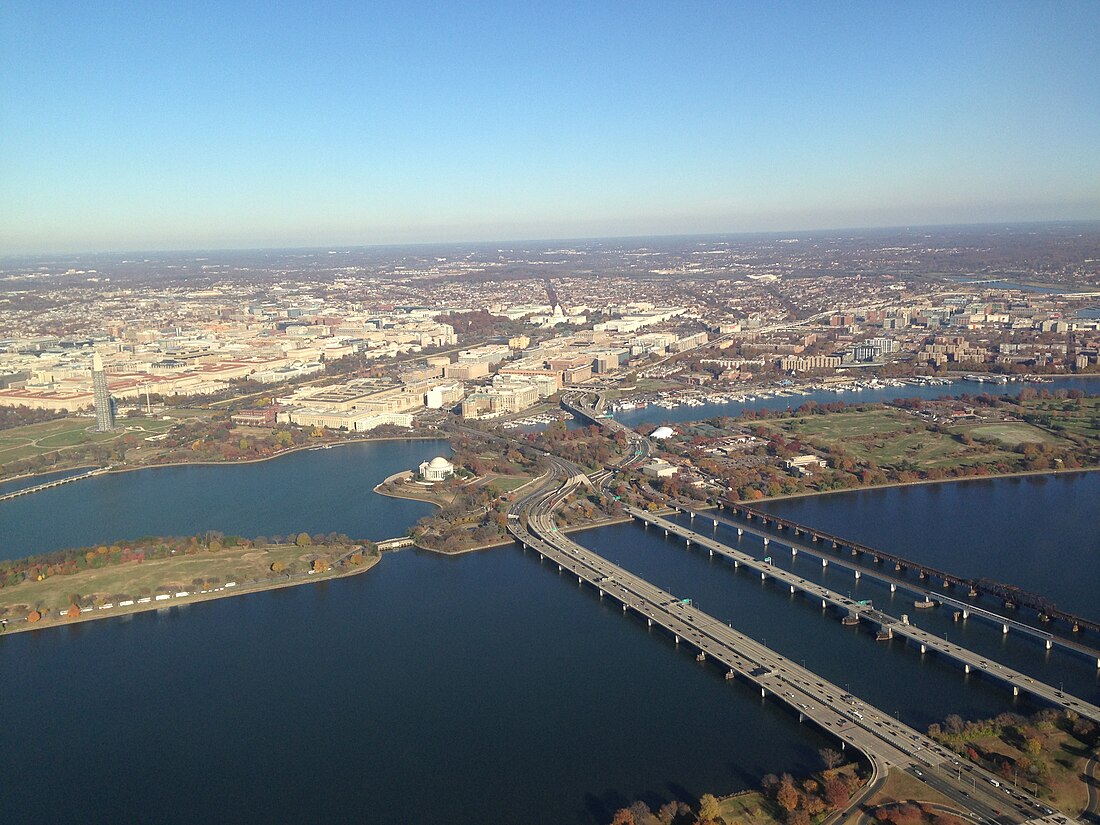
x=236 y=462
x=58 y=618
x=919 y=482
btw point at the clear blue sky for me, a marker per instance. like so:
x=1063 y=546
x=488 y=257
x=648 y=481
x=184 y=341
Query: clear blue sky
x=174 y=125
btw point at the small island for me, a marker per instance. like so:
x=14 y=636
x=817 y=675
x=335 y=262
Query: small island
x=106 y=580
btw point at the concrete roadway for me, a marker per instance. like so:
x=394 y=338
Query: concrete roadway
x=971 y=661
x=818 y=551
x=884 y=740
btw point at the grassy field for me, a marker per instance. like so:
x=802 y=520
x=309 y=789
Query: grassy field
x=51 y=436
x=1078 y=417
x=1011 y=433
x=179 y=573
x=901 y=787
x=1066 y=758
x=887 y=437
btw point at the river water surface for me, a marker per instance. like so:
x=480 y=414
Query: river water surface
x=484 y=688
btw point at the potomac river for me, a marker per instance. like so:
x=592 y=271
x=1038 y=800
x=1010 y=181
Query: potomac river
x=483 y=688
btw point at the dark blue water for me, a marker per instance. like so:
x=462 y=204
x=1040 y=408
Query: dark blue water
x=661 y=415
x=316 y=491
x=12 y=485
x=485 y=688
x=480 y=689
x=1041 y=533
x=921 y=689
x=1018 y=650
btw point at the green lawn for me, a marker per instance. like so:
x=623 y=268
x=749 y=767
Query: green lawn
x=48 y=436
x=886 y=437
x=177 y=573
x=1011 y=433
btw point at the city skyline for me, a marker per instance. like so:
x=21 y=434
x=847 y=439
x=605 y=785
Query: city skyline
x=228 y=128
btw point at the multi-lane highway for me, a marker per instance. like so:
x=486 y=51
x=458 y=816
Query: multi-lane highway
x=970 y=661
x=886 y=742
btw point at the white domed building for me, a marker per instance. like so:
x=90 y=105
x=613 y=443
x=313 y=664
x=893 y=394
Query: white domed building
x=438 y=469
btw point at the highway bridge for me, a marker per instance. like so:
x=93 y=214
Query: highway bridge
x=886 y=742
x=888 y=625
x=965 y=609
x=26 y=491
x=1014 y=596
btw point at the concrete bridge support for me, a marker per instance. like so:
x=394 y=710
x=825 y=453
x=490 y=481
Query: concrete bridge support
x=792 y=589
x=966 y=668
x=765 y=541
x=1015 y=690
x=740 y=532
x=794 y=551
x=893 y=588
x=824 y=604
x=923 y=647
x=857 y=575
x=824 y=562
x=1004 y=628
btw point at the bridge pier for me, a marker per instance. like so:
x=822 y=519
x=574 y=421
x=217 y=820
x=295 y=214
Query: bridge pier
x=792 y=589
x=1004 y=628
x=893 y=588
x=923 y=648
x=649 y=622
x=687 y=542
x=857 y=575
x=835 y=545
x=666 y=534
x=559 y=568
x=715 y=522
x=711 y=551
x=816 y=537
x=763 y=694
x=966 y=613
x=765 y=541
x=740 y=532
x=601 y=594
x=580 y=580
x=691 y=516
x=1015 y=690
x=624 y=607
x=736 y=564
x=1050 y=644
x=823 y=604
x=763 y=576
x=677 y=638
x=946 y=583
x=824 y=562
x=966 y=668
x=729 y=675
x=794 y=551
x=922 y=574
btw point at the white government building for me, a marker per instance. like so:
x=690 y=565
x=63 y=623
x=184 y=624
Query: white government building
x=437 y=469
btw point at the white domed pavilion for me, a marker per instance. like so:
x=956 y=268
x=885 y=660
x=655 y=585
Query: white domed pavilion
x=437 y=469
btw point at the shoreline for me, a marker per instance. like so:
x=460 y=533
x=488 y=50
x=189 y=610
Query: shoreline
x=281 y=454
x=888 y=485
x=95 y=615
